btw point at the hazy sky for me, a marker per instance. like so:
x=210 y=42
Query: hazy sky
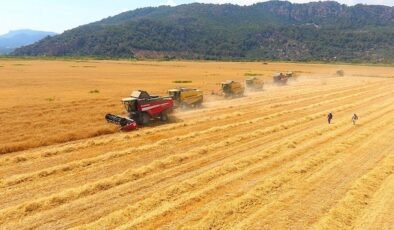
x=60 y=15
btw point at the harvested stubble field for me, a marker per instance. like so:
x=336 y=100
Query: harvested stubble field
x=265 y=161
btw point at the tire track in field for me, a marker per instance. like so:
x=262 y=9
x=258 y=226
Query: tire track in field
x=378 y=213
x=69 y=149
x=46 y=173
x=155 y=188
x=241 y=207
x=287 y=127
x=210 y=176
x=309 y=200
x=213 y=206
x=183 y=161
x=344 y=214
x=296 y=96
x=135 y=174
x=223 y=117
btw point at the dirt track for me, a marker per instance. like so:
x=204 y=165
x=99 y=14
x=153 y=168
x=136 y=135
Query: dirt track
x=265 y=161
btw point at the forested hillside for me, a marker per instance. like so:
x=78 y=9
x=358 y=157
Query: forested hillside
x=271 y=30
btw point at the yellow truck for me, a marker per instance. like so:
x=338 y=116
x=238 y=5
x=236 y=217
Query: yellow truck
x=186 y=97
x=232 y=88
x=255 y=84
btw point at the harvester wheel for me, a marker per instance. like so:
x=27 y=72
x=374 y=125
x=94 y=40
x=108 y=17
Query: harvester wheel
x=145 y=119
x=164 y=116
x=199 y=104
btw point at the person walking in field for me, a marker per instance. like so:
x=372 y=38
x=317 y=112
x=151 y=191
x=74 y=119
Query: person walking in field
x=354 y=118
x=329 y=117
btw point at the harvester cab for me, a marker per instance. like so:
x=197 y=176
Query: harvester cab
x=186 y=97
x=130 y=103
x=175 y=94
x=232 y=88
x=253 y=83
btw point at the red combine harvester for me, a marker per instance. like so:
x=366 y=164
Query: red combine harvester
x=142 y=108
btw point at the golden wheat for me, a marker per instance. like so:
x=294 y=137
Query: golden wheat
x=265 y=161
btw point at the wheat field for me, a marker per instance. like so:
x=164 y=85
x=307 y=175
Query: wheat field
x=268 y=160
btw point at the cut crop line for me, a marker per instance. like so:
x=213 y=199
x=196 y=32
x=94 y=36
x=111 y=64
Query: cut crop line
x=134 y=150
x=220 y=171
x=117 y=180
x=86 y=144
x=282 y=202
x=255 y=196
x=357 y=199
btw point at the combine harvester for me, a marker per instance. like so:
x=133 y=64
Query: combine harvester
x=186 y=97
x=254 y=84
x=281 y=78
x=232 y=88
x=142 y=108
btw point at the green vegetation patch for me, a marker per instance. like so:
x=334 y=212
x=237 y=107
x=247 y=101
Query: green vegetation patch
x=94 y=91
x=333 y=33
x=253 y=74
x=182 y=81
x=50 y=99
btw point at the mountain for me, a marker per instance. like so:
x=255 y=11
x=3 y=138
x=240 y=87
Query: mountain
x=19 y=38
x=271 y=30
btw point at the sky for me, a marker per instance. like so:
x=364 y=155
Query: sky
x=60 y=15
